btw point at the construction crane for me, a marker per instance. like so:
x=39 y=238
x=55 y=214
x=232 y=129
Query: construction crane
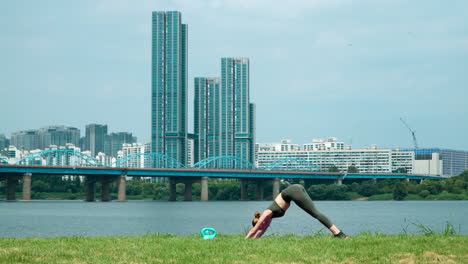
x=412 y=133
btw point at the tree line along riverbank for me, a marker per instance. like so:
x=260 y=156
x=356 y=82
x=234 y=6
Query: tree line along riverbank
x=455 y=188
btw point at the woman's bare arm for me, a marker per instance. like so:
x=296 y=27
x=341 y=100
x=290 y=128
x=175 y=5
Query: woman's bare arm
x=261 y=226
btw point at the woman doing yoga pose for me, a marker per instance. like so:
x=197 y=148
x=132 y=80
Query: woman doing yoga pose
x=298 y=194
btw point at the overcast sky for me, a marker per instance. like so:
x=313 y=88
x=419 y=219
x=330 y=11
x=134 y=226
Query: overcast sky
x=318 y=68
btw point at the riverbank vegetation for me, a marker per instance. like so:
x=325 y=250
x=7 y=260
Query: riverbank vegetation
x=455 y=188
x=234 y=249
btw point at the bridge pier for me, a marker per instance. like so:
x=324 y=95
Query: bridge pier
x=11 y=181
x=339 y=181
x=259 y=188
x=204 y=189
x=122 y=180
x=260 y=185
x=244 y=190
x=90 y=183
x=27 y=186
x=188 y=182
x=276 y=187
x=374 y=180
x=172 y=189
x=188 y=191
x=105 y=196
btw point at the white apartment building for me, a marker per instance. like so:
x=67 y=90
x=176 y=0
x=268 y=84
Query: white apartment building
x=284 y=145
x=329 y=153
x=12 y=154
x=131 y=149
x=330 y=143
x=104 y=159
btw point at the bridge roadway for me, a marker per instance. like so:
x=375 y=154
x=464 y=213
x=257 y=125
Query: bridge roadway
x=105 y=175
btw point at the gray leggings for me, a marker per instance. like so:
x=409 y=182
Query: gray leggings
x=298 y=194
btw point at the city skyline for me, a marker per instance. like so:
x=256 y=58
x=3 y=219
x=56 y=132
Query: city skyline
x=346 y=77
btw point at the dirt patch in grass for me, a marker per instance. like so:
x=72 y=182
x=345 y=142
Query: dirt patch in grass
x=405 y=258
x=436 y=258
x=429 y=257
x=346 y=261
x=288 y=262
x=9 y=250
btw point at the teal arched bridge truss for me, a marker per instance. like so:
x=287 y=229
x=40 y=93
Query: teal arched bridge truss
x=60 y=157
x=148 y=160
x=3 y=161
x=292 y=164
x=224 y=162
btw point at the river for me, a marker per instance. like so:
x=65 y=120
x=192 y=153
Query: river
x=77 y=218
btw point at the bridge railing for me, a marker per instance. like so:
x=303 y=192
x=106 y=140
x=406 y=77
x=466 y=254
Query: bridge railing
x=148 y=160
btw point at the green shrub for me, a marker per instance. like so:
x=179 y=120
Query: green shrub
x=424 y=193
x=353 y=195
x=448 y=196
x=37 y=195
x=381 y=197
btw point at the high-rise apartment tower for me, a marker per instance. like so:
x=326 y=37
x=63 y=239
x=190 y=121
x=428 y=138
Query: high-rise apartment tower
x=169 y=85
x=224 y=117
x=207 y=121
x=95 y=138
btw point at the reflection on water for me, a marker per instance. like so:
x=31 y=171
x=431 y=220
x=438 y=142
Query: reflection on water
x=77 y=218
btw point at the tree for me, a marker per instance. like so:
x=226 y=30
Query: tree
x=337 y=192
x=368 y=188
x=354 y=187
x=147 y=188
x=400 y=192
x=333 y=168
x=318 y=192
x=39 y=186
x=400 y=170
x=161 y=191
x=228 y=192
x=414 y=188
x=353 y=169
x=432 y=186
x=464 y=175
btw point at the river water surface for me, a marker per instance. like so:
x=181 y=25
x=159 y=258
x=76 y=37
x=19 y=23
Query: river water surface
x=78 y=218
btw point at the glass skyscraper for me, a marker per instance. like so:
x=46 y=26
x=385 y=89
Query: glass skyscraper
x=95 y=138
x=224 y=117
x=169 y=85
x=114 y=142
x=207 y=118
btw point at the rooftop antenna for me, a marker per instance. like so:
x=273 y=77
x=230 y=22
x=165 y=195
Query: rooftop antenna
x=412 y=133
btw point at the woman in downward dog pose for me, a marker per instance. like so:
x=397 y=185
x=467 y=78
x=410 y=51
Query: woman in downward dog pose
x=298 y=194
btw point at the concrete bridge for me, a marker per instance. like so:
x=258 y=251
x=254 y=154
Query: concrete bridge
x=105 y=175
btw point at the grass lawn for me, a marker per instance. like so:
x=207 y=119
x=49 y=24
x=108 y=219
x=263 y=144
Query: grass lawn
x=234 y=249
